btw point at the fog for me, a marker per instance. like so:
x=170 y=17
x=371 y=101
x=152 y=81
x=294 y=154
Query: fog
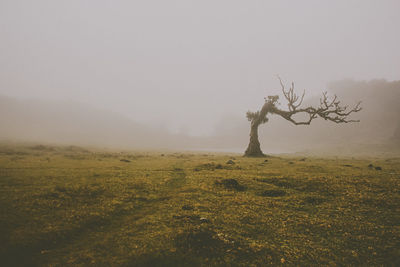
x=182 y=74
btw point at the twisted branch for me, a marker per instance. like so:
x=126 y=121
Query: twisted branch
x=330 y=110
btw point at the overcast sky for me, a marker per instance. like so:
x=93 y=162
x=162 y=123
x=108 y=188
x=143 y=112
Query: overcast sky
x=186 y=64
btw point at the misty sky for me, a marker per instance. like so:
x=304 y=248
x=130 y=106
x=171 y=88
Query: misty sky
x=184 y=65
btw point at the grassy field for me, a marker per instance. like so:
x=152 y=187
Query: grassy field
x=70 y=206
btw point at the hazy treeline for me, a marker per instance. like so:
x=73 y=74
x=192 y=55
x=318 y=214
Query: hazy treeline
x=73 y=123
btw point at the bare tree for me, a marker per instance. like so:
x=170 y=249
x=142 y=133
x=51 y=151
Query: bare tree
x=329 y=109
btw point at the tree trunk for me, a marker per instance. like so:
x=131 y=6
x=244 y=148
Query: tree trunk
x=254 y=149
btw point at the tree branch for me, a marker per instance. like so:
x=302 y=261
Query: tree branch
x=330 y=110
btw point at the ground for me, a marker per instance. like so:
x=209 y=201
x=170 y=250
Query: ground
x=71 y=206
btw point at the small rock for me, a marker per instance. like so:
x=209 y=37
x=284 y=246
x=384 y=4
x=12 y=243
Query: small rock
x=370 y=166
x=219 y=166
x=125 y=160
x=230 y=184
x=162 y=155
x=378 y=168
x=266 y=160
x=230 y=162
x=204 y=220
x=187 y=207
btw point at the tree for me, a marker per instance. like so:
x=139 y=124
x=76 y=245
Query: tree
x=330 y=110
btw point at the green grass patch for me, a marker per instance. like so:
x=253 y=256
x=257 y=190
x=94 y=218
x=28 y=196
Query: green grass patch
x=72 y=206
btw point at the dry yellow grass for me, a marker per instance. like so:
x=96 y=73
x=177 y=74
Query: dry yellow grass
x=66 y=205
